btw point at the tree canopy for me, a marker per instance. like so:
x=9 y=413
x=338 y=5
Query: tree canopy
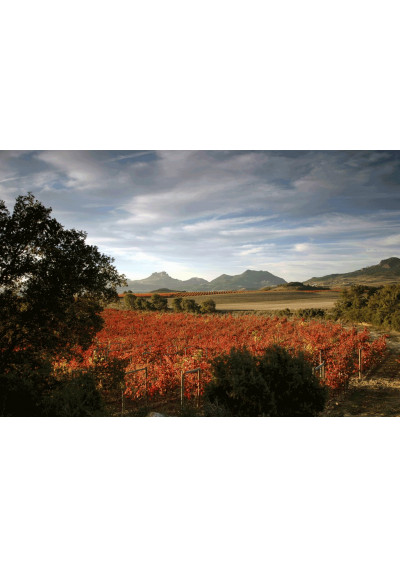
x=53 y=287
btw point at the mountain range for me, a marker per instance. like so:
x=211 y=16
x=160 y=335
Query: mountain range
x=250 y=279
x=386 y=272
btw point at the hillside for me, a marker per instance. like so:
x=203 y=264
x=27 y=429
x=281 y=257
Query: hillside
x=250 y=279
x=386 y=272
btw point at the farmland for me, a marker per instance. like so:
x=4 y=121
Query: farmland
x=272 y=300
x=167 y=344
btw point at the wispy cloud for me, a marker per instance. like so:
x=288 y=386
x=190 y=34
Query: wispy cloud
x=297 y=214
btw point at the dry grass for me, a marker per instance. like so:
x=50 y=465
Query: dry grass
x=272 y=300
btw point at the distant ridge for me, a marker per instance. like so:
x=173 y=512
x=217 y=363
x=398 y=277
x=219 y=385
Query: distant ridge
x=387 y=271
x=250 y=279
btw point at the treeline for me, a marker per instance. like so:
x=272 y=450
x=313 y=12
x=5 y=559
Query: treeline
x=159 y=303
x=377 y=305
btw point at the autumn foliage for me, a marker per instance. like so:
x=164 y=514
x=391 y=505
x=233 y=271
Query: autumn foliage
x=171 y=343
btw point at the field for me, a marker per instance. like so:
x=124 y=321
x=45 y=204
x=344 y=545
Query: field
x=271 y=300
x=159 y=347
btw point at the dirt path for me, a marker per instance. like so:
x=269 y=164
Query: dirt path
x=376 y=395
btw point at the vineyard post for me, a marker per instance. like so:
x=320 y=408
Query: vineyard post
x=145 y=386
x=198 y=388
x=321 y=369
x=182 y=387
x=359 y=364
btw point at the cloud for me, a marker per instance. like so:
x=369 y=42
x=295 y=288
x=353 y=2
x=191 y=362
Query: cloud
x=204 y=212
x=302 y=247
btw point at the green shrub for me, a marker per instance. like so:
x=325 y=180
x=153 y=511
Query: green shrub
x=237 y=387
x=158 y=302
x=130 y=300
x=208 y=306
x=380 y=306
x=22 y=387
x=74 y=396
x=142 y=304
x=384 y=307
x=311 y=313
x=296 y=391
x=283 y=312
x=354 y=303
x=177 y=304
x=190 y=306
x=276 y=383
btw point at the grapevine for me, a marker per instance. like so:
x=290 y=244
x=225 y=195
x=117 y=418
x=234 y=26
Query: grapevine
x=171 y=343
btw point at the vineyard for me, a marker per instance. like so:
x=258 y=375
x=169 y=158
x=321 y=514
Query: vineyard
x=189 y=293
x=159 y=347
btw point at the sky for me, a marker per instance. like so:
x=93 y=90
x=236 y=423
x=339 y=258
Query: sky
x=296 y=214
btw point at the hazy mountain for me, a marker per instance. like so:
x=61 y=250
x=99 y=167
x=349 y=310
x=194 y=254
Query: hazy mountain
x=250 y=279
x=387 y=271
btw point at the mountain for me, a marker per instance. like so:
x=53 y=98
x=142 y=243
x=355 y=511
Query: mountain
x=386 y=272
x=250 y=279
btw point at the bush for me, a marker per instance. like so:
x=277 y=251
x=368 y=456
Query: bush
x=177 y=304
x=237 y=388
x=142 y=304
x=21 y=390
x=296 y=391
x=158 y=302
x=208 y=306
x=276 y=383
x=354 y=303
x=380 y=306
x=74 y=396
x=311 y=313
x=190 y=306
x=283 y=312
x=384 y=307
x=130 y=300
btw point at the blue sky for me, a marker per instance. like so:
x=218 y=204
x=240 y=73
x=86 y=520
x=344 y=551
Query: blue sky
x=296 y=214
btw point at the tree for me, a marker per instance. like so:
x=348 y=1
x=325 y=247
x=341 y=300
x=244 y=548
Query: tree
x=353 y=303
x=158 y=302
x=208 y=306
x=142 y=304
x=177 y=304
x=130 y=300
x=190 y=306
x=53 y=287
x=384 y=307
